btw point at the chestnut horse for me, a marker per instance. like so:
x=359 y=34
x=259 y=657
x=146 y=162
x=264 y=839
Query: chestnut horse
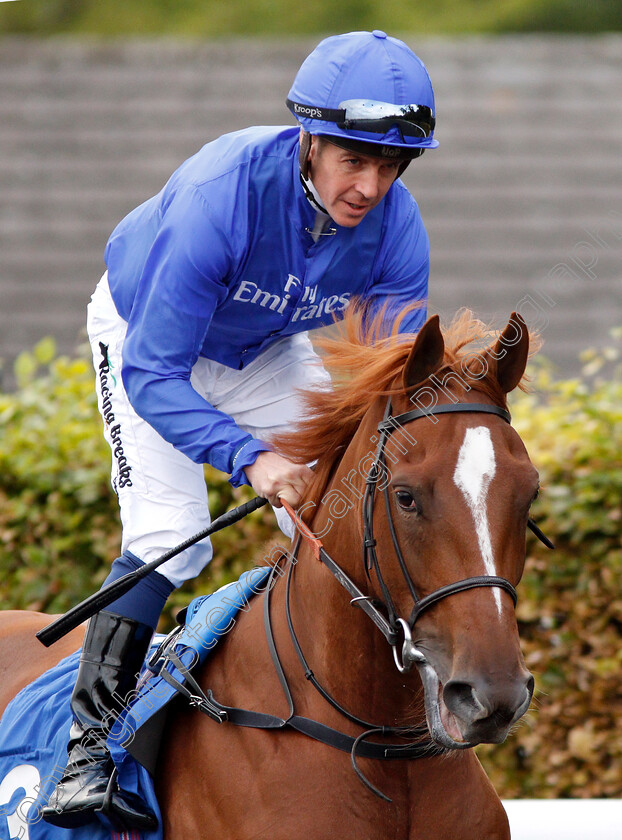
x=390 y=629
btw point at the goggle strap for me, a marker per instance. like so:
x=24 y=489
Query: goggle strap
x=314 y=112
x=336 y=115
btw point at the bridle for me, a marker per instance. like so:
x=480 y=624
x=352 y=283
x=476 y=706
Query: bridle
x=382 y=613
x=386 y=428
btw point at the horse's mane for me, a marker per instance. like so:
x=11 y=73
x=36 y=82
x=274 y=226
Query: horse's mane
x=365 y=362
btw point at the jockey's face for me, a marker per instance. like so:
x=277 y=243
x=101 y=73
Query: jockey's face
x=350 y=184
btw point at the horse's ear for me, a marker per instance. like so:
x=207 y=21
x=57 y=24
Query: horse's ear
x=426 y=355
x=511 y=351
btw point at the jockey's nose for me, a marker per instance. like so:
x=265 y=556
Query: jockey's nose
x=368 y=183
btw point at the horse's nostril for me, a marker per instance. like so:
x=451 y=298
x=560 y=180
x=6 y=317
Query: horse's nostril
x=461 y=699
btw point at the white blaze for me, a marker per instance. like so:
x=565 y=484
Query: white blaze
x=475 y=470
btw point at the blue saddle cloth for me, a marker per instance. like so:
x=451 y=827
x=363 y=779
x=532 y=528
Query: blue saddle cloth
x=34 y=729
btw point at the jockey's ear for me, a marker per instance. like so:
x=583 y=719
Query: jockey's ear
x=426 y=355
x=303 y=152
x=511 y=351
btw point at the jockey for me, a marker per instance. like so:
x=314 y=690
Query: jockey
x=199 y=337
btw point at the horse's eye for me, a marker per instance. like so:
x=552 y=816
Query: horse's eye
x=406 y=500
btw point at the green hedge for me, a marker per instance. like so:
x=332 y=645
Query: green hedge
x=59 y=522
x=570 y=599
x=215 y=18
x=59 y=530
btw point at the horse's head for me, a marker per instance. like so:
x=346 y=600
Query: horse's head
x=437 y=487
x=458 y=484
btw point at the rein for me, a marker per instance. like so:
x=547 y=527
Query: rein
x=358 y=747
x=383 y=615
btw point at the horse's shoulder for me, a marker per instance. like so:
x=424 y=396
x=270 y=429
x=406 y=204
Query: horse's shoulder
x=22 y=656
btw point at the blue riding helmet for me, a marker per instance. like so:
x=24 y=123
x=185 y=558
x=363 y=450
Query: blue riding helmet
x=366 y=88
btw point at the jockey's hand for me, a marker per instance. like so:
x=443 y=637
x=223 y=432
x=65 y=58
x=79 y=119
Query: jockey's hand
x=276 y=478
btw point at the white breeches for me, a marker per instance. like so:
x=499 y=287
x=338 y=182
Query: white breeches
x=162 y=493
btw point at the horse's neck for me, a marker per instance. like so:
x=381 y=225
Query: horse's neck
x=343 y=647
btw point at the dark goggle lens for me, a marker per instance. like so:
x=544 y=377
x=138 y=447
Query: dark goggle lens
x=380 y=117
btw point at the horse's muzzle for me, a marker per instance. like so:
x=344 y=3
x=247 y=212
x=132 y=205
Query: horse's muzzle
x=485 y=711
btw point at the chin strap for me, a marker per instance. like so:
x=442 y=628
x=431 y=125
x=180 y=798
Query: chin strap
x=311 y=197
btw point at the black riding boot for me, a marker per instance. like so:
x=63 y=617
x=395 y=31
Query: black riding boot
x=113 y=653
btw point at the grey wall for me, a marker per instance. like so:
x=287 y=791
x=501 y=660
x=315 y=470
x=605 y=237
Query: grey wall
x=522 y=199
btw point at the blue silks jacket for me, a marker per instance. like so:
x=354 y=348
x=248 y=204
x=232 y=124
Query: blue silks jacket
x=221 y=264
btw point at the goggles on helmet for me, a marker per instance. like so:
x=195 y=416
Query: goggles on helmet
x=370 y=115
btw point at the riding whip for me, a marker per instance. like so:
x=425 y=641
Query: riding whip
x=99 y=600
